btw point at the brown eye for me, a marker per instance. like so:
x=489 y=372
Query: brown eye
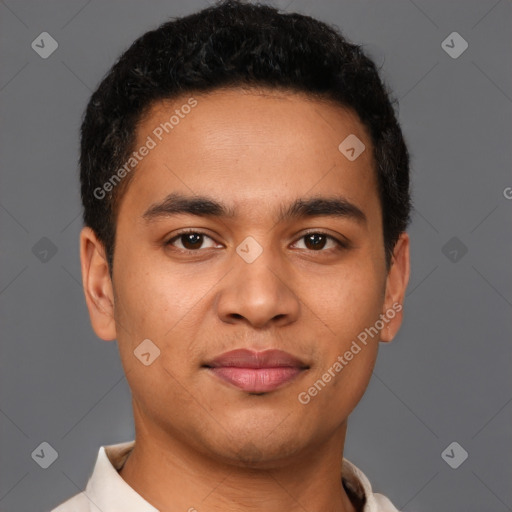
x=315 y=241
x=191 y=241
x=320 y=242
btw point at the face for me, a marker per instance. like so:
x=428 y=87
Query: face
x=284 y=251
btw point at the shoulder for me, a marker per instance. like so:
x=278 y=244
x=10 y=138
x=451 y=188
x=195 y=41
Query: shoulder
x=383 y=503
x=361 y=486
x=104 y=484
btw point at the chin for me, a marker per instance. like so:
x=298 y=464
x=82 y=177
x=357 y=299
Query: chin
x=258 y=449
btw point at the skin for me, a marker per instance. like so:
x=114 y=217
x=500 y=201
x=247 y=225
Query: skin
x=201 y=442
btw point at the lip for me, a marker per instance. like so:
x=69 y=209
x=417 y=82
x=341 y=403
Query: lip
x=256 y=372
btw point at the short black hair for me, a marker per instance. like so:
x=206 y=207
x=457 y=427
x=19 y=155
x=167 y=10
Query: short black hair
x=228 y=45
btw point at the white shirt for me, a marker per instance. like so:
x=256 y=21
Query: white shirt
x=106 y=490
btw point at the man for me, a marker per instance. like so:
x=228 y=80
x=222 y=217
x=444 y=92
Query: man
x=246 y=193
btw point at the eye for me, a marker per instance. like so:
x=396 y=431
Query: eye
x=193 y=241
x=317 y=241
x=190 y=241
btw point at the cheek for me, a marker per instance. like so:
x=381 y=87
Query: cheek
x=346 y=340
x=154 y=305
x=345 y=387
x=335 y=388
x=153 y=296
x=166 y=306
x=350 y=300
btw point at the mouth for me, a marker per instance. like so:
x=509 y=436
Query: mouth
x=256 y=372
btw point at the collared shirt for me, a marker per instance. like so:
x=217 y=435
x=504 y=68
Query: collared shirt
x=106 y=490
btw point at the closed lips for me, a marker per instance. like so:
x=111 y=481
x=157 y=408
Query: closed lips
x=256 y=372
x=244 y=358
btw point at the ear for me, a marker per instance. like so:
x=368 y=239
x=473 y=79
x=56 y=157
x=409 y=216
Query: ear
x=99 y=294
x=396 y=284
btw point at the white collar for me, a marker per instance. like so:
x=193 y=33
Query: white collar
x=106 y=490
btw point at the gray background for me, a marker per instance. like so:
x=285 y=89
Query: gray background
x=445 y=378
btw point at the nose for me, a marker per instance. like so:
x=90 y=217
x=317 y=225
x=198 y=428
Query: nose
x=259 y=293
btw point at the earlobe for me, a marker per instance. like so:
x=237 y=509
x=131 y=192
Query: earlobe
x=99 y=295
x=396 y=285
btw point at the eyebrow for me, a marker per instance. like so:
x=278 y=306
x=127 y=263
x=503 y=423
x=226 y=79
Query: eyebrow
x=203 y=206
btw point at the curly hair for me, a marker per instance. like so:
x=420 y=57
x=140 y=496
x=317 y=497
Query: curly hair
x=236 y=44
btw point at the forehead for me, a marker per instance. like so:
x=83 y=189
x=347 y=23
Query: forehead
x=240 y=117
x=251 y=146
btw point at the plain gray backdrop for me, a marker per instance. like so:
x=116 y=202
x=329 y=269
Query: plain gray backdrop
x=445 y=378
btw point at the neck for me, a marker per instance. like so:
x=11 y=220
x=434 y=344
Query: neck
x=174 y=476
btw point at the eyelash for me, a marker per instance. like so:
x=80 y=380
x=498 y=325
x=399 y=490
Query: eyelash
x=340 y=244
